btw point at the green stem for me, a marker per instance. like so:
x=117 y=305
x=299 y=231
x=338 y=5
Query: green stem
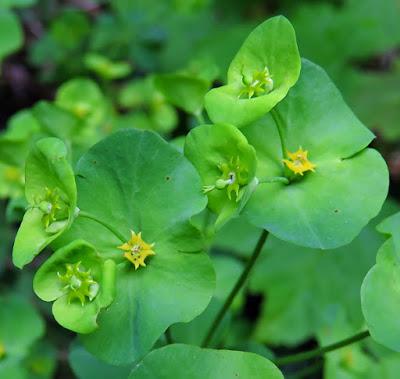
x=321 y=351
x=276 y=179
x=280 y=125
x=239 y=284
x=101 y=222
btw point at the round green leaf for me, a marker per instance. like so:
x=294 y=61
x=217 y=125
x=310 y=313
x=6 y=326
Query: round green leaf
x=22 y=130
x=47 y=169
x=11 y=36
x=86 y=366
x=326 y=208
x=48 y=286
x=134 y=180
x=183 y=90
x=271 y=45
x=84 y=99
x=215 y=151
x=185 y=361
x=107 y=68
x=380 y=297
x=21 y=325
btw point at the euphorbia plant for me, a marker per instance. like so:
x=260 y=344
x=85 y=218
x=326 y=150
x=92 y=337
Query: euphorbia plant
x=130 y=256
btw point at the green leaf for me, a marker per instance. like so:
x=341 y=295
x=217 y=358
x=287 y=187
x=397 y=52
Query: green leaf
x=107 y=68
x=301 y=286
x=83 y=98
x=326 y=208
x=86 y=366
x=227 y=166
x=272 y=45
x=41 y=362
x=51 y=194
x=183 y=90
x=227 y=271
x=380 y=291
x=21 y=326
x=185 y=361
x=16 y=3
x=72 y=312
x=11 y=36
x=56 y=121
x=22 y=130
x=134 y=180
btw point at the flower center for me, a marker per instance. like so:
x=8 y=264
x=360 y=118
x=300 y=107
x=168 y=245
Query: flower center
x=233 y=177
x=53 y=206
x=78 y=284
x=298 y=162
x=260 y=83
x=137 y=250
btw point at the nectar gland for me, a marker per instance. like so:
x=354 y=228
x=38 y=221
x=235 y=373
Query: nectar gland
x=261 y=83
x=136 y=250
x=78 y=283
x=298 y=162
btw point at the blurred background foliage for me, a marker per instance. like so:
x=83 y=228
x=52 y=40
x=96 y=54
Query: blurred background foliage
x=81 y=69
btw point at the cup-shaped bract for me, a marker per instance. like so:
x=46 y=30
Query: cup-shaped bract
x=261 y=74
x=80 y=283
x=227 y=165
x=50 y=191
x=344 y=183
x=143 y=191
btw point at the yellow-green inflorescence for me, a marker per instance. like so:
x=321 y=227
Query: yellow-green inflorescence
x=298 y=162
x=52 y=205
x=260 y=83
x=78 y=284
x=136 y=250
x=233 y=177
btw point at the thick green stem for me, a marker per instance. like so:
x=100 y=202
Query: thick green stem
x=108 y=226
x=239 y=284
x=320 y=351
x=280 y=125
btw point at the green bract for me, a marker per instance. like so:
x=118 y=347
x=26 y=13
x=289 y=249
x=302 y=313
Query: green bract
x=135 y=181
x=261 y=74
x=11 y=35
x=227 y=166
x=79 y=282
x=183 y=90
x=380 y=291
x=84 y=99
x=326 y=208
x=51 y=194
x=185 y=361
x=107 y=68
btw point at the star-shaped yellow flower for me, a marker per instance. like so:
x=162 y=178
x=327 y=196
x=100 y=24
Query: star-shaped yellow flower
x=298 y=162
x=136 y=250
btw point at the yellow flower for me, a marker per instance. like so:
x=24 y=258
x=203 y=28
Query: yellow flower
x=136 y=250
x=298 y=162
